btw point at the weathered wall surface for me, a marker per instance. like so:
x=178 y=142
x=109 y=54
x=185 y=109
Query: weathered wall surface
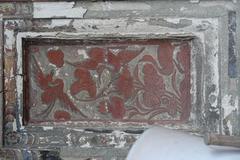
x=212 y=27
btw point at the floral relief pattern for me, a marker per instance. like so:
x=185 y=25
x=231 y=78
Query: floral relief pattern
x=129 y=81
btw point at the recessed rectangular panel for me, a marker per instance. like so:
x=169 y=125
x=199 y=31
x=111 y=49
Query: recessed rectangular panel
x=107 y=80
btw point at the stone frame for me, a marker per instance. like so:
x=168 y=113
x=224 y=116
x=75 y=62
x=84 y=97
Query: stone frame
x=208 y=48
x=13 y=27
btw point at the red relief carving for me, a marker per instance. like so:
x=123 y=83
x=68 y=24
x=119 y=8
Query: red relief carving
x=96 y=56
x=185 y=83
x=62 y=116
x=56 y=57
x=117 y=107
x=52 y=90
x=84 y=82
x=165 y=58
x=121 y=82
x=121 y=58
x=153 y=86
x=124 y=83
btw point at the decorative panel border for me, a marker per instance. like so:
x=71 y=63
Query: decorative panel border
x=16 y=32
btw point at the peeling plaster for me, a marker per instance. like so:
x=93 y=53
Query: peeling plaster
x=68 y=139
x=58 y=23
x=86 y=145
x=213 y=62
x=120 y=135
x=9 y=36
x=116 y=6
x=194 y=1
x=227 y=104
x=230 y=106
x=228 y=5
x=57 y=10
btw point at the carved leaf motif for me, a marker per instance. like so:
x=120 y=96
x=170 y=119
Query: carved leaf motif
x=172 y=107
x=125 y=83
x=184 y=87
x=121 y=58
x=103 y=108
x=126 y=56
x=43 y=80
x=152 y=80
x=84 y=82
x=151 y=99
x=182 y=57
x=67 y=103
x=165 y=57
x=96 y=56
x=40 y=78
x=48 y=96
x=148 y=58
x=62 y=116
x=52 y=90
x=154 y=86
x=117 y=107
x=105 y=78
x=114 y=60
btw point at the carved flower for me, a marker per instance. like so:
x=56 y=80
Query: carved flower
x=165 y=57
x=84 y=82
x=122 y=58
x=56 y=57
x=96 y=56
